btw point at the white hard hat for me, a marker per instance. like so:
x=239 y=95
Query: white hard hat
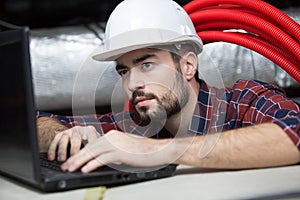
x=136 y=24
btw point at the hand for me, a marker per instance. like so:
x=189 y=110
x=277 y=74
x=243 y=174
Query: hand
x=119 y=147
x=47 y=127
x=74 y=138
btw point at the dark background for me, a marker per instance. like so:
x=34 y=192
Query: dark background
x=49 y=13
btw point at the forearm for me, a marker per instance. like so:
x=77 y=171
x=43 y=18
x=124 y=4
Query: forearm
x=47 y=128
x=263 y=145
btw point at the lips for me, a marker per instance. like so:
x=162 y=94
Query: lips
x=141 y=100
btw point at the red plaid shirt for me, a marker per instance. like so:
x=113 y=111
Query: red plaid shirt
x=246 y=103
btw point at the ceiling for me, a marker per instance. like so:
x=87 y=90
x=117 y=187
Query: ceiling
x=49 y=13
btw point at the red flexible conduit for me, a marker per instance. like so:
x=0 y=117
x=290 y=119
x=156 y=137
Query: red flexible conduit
x=219 y=25
x=252 y=43
x=270 y=32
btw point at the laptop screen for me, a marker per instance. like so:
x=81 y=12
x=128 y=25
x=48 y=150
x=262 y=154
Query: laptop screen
x=16 y=105
x=19 y=157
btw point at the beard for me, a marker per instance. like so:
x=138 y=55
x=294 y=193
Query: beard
x=168 y=104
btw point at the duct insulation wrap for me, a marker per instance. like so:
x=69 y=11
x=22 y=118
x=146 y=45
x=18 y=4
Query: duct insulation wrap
x=65 y=75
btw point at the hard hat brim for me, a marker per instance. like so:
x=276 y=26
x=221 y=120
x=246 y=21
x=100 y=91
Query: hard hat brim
x=113 y=55
x=138 y=39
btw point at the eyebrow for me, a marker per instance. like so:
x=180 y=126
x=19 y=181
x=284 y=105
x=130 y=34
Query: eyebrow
x=142 y=58
x=136 y=61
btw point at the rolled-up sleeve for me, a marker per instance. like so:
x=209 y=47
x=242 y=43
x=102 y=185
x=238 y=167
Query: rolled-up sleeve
x=102 y=123
x=289 y=121
x=263 y=102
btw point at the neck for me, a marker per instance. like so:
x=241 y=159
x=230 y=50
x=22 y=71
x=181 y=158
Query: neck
x=179 y=123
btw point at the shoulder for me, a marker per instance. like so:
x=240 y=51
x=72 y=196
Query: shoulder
x=250 y=89
x=256 y=87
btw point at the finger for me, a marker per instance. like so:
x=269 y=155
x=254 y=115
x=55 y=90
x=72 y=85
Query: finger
x=92 y=134
x=53 y=146
x=77 y=160
x=101 y=160
x=88 y=133
x=89 y=152
x=94 y=164
x=75 y=142
x=62 y=147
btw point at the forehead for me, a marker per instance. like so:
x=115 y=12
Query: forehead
x=134 y=56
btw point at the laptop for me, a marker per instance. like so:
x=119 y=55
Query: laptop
x=19 y=153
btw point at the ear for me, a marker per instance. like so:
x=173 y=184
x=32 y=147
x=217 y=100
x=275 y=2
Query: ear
x=189 y=64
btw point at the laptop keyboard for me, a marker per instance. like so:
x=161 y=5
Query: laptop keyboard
x=54 y=165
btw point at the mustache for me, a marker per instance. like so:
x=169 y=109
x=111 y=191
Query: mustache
x=139 y=93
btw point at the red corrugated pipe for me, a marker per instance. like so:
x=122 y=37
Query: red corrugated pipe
x=253 y=43
x=258 y=6
x=263 y=28
x=277 y=35
x=220 y=25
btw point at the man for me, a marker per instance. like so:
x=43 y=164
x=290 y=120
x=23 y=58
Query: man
x=177 y=118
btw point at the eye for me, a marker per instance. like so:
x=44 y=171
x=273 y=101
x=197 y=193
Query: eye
x=122 y=72
x=147 y=65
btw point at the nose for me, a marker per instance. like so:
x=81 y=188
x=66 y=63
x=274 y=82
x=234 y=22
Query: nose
x=135 y=80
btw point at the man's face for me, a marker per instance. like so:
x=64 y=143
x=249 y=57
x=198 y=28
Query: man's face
x=153 y=83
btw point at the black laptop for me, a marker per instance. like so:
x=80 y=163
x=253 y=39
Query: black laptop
x=19 y=153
